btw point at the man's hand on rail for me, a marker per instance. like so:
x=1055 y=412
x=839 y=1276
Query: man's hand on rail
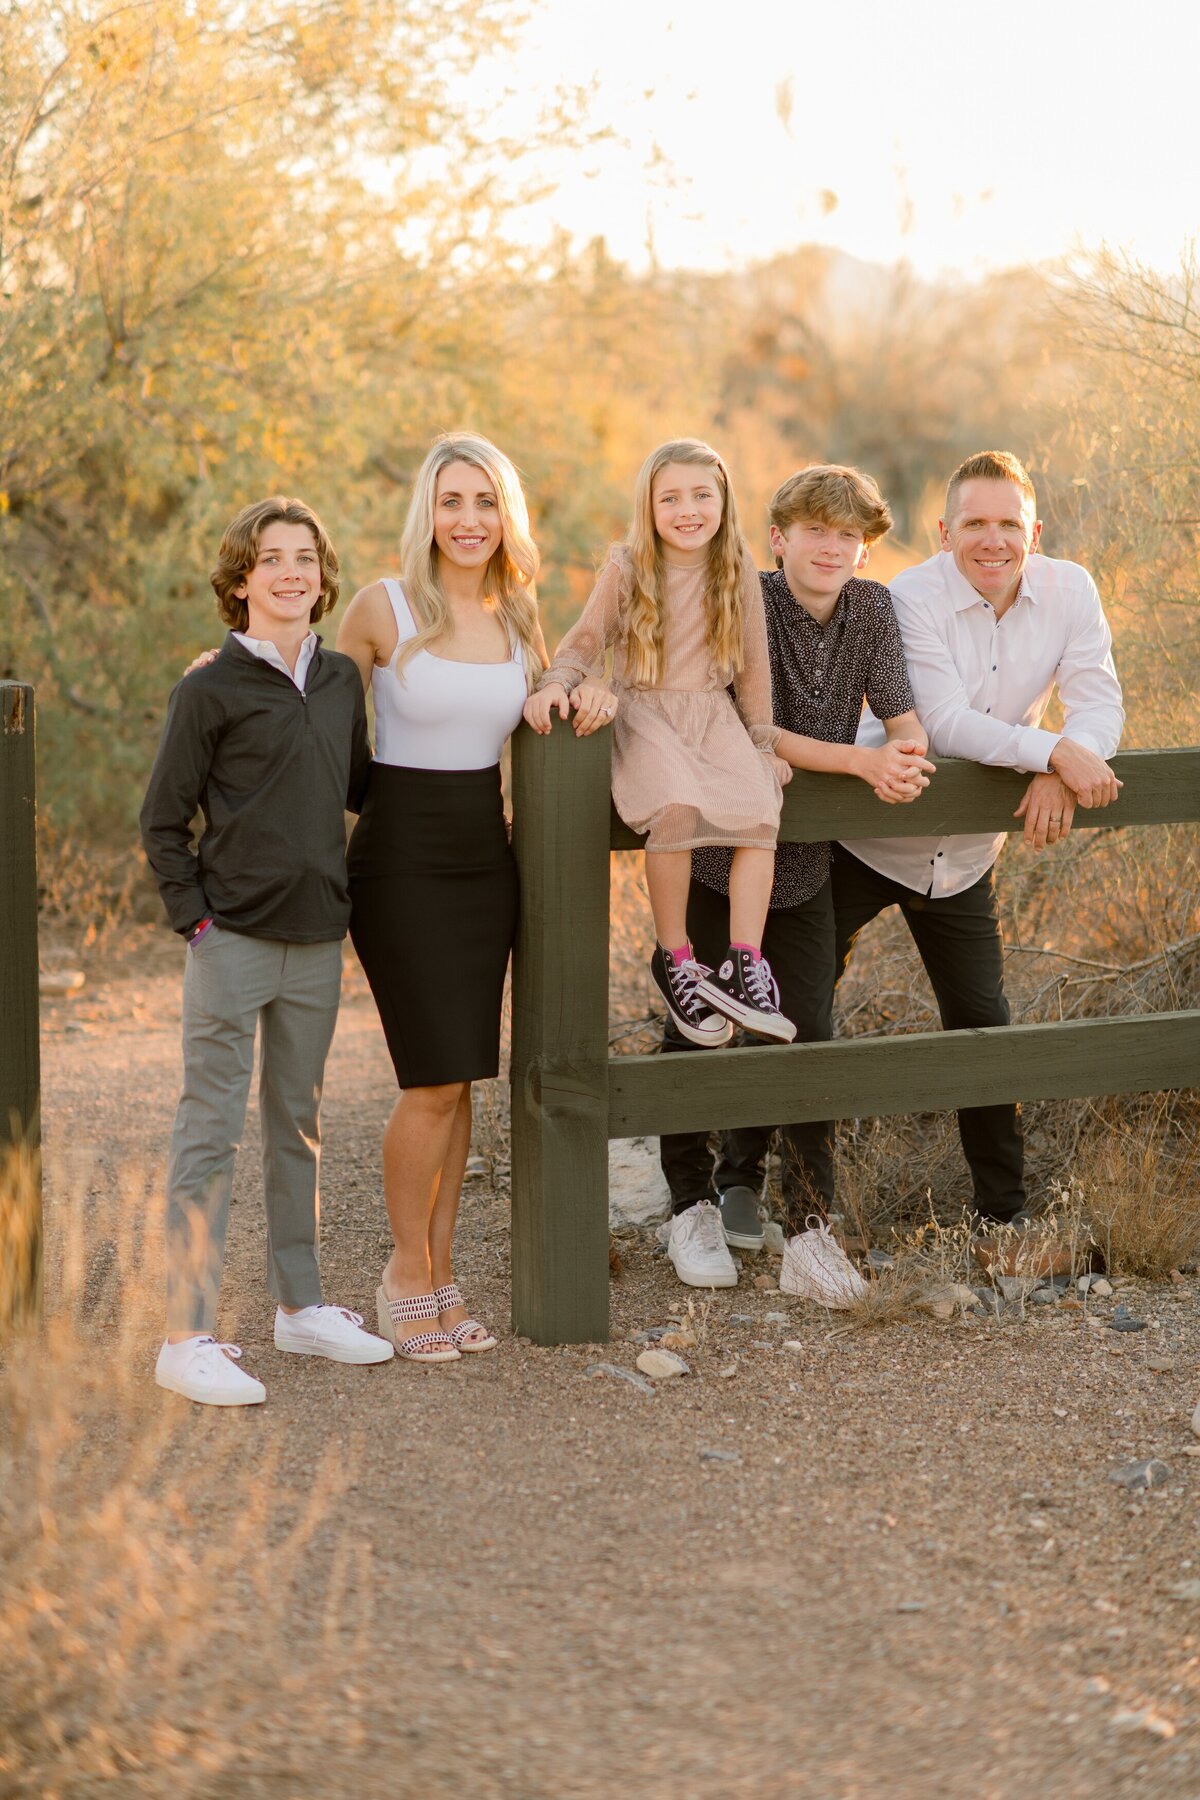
x=1087 y=775
x=1047 y=808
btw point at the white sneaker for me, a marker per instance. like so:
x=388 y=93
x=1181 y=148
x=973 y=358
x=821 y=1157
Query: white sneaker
x=202 y=1370
x=815 y=1267
x=332 y=1331
x=697 y=1248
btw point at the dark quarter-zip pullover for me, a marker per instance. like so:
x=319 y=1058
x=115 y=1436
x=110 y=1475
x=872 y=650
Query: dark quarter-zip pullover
x=273 y=770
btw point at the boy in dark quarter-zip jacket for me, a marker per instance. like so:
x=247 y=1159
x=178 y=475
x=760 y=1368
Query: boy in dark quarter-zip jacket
x=269 y=741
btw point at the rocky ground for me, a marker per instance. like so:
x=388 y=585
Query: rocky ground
x=829 y=1561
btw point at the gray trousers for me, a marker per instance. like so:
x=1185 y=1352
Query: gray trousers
x=290 y=991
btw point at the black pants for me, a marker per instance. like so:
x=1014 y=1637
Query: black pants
x=799 y=944
x=958 y=938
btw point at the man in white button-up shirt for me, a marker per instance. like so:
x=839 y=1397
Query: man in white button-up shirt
x=989 y=630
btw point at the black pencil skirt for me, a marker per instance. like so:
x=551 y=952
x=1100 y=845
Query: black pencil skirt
x=433 y=893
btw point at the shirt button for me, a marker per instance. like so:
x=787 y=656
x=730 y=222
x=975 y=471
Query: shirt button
x=987 y=709
x=940 y=853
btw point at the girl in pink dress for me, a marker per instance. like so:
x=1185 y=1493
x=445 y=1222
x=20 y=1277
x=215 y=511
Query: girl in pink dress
x=680 y=606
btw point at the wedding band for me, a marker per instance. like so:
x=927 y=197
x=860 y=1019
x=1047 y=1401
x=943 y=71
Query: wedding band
x=608 y=711
x=1056 y=818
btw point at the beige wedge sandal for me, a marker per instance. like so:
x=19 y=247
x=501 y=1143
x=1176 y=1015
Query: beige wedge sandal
x=424 y=1346
x=451 y=1295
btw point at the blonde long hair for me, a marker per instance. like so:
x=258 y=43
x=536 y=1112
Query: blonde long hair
x=510 y=577
x=722 y=588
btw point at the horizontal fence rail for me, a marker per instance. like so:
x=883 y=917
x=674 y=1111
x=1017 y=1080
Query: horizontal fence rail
x=569 y=1097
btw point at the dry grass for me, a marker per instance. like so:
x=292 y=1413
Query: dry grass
x=1140 y=1186
x=134 y=1647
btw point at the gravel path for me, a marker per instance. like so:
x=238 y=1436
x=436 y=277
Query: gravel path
x=906 y=1574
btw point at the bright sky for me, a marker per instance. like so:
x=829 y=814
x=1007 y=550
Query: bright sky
x=959 y=136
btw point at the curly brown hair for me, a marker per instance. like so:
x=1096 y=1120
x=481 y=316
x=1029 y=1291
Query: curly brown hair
x=238 y=555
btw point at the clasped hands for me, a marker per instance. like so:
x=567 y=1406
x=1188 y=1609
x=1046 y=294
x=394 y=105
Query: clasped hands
x=594 y=706
x=897 y=771
x=1076 y=777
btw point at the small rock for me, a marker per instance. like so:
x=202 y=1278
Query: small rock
x=773 y=1238
x=1095 y=1285
x=759 y=1344
x=741 y=1318
x=795 y=1344
x=1124 y=1321
x=1196 y=1422
x=879 y=1260
x=663 y=1365
x=767 y=1283
x=720 y=1456
x=1070 y=1305
x=476 y=1165
x=985 y=1299
x=777 y=1319
x=910 y=1606
x=60 y=981
x=727 y=1374
x=1178 y=1278
x=938 y=1306
x=678 y=1340
x=1182 y=1590
x=1014 y=1287
x=638 y=1381
x=650 y=1337
x=1097 y=1685
x=1043 y=1297
x=1134 y=1475
x=1191 y=1449
x=1143 y=1719
x=1162 y=1365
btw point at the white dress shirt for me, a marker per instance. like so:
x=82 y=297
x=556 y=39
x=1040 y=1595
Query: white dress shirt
x=982 y=685
x=269 y=653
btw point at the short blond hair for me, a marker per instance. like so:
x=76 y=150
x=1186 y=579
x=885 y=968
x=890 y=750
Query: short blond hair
x=990 y=465
x=238 y=555
x=832 y=494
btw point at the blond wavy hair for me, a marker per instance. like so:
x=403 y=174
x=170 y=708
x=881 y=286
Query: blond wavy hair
x=643 y=621
x=510 y=578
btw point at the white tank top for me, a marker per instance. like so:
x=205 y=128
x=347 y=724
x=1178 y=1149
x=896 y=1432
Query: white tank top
x=443 y=714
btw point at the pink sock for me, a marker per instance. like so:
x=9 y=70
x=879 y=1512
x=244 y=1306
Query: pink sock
x=752 y=949
x=682 y=955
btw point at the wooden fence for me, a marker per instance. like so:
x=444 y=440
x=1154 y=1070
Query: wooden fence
x=20 y=1203
x=569 y=1097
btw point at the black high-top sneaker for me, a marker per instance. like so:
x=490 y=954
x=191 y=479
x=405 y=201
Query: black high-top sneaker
x=744 y=989
x=677 y=983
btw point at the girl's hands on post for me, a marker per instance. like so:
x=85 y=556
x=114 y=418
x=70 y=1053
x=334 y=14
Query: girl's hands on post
x=538 y=710
x=202 y=661
x=595 y=705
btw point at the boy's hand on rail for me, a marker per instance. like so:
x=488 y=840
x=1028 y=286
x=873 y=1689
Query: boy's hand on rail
x=595 y=706
x=538 y=710
x=898 y=771
x=1047 y=808
x=1088 y=776
x=202 y=661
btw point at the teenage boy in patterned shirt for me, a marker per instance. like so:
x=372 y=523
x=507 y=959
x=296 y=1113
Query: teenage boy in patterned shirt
x=833 y=641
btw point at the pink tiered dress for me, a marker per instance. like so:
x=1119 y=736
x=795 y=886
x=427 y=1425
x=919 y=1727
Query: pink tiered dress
x=691 y=766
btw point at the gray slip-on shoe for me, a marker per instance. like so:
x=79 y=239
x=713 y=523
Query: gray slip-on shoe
x=739 y=1217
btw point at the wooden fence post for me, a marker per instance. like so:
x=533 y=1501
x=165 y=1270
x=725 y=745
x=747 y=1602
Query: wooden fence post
x=561 y=826
x=20 y=1170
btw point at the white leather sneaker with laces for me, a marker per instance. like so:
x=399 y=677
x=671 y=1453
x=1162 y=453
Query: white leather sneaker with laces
x=815 y=1267
x=202 y=1370
x=698 y=1249
x=332 y=1331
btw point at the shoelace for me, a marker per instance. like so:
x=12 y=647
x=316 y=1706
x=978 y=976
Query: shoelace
x=709 y=1231
x=684 y=978
x=354 y=1318
x=210 y=1343
x=762 y=985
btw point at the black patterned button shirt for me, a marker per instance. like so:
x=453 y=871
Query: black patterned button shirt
x=819 y=676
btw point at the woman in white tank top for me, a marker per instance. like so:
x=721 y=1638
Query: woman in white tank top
x=450 y=652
